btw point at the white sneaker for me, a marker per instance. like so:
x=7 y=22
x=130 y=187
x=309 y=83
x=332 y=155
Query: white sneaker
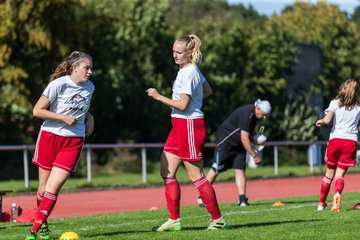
x=200 y=202
x=169 y=225
x=322 y=206
x=217 y=224
x=244 y=203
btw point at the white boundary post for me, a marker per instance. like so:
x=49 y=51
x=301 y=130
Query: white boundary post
x=26 y=167
x=88 y=164
x=143 y=164
x=276 y=160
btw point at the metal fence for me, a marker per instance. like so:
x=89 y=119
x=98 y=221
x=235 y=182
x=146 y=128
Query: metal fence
x=314 y=154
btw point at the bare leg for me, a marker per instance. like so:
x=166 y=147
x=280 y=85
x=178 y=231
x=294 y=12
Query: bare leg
x=43 y=177
x=194 y=170
x=56 y=180
x=240 y=181
x=169 y=165
x=329 y=173
x=211 y=176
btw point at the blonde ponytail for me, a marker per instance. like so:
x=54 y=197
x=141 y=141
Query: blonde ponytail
x=192 y=44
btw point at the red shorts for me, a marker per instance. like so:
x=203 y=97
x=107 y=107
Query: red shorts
x=340 y=153
x=57 y=151
x=186 y=139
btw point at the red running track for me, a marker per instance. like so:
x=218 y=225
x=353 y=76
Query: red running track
x=134 y=199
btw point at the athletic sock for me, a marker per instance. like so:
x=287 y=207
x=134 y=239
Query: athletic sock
x=339 y=184
x=39 y=198
x=172 y=194
x=208 y=196
x=325 y=187
x=44 y=210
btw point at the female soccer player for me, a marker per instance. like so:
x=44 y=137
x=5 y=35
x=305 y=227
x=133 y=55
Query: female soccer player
x=64 y=106
x=340 y=154
x=188 y=134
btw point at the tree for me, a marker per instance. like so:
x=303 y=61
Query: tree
x=325 y=25
x=26 y=46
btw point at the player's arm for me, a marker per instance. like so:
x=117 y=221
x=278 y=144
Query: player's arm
x=246 y=142
x=89 y=124
x=326 y=119
x=41 y=111
x=178 y=104
x=207 y=91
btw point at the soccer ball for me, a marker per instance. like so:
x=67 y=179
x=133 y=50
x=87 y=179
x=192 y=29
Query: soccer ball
x=69 y=236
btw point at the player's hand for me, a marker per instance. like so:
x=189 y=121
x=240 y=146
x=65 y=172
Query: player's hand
x=319 y=123
x=257 y=160
x=69 y=120
x=152 y=92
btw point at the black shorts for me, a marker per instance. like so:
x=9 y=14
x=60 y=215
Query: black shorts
x=229 y=157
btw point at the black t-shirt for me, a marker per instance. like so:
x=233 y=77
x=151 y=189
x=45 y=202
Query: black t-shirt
x=243 y=118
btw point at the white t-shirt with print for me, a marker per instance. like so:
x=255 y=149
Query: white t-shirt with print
x=68 y=98
x=189 y=80
x=345 y=122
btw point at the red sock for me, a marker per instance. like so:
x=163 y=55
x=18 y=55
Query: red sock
x=339 y=184
x=39 y=198
x=172 y=194
x=208 y=196
x=325 y=187
x=44 y=210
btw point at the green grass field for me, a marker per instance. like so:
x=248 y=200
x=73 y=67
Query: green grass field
x=297 y=219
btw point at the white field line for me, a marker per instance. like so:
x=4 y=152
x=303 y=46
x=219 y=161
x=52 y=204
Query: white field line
x=200 y=216
x=158 y=221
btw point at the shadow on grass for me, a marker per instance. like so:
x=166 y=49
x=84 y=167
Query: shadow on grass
x=284 y=201
x=24 y=224
x=260 y=224
x=231 y=227
x=300 y=201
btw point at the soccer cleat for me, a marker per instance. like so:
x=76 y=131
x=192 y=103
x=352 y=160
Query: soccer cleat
x=200 y=202
x=336 y=203
x=44 y=233
x=31 y=236
x=322 y=206
x=170 y=225
x=244 y=203
x=217 y=224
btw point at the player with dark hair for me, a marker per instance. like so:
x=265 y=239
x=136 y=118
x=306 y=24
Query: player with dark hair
x=64 y=107
x=188 y=134
x=344 y=113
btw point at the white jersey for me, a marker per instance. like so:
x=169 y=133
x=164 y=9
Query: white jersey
x=189 y=80
x=345 y=122
x=68 y=98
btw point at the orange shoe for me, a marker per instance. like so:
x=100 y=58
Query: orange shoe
x=336 y=203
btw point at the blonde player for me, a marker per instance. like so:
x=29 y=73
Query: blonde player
x=188 y=134
x=344 y=112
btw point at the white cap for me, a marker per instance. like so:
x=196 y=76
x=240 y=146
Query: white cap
x=264 y=105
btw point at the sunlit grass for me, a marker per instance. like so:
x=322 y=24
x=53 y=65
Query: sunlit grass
x=297 y=219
